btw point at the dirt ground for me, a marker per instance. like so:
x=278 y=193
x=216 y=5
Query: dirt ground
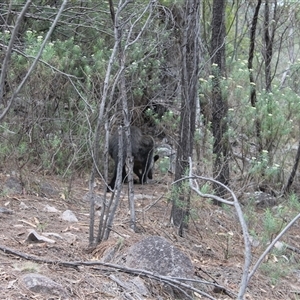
x=213 y=242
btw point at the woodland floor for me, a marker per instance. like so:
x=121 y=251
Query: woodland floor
x=216 y=255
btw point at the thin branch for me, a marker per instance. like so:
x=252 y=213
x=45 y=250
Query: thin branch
x=33 y=65
x=261 y=258
x=10 y=48
x=148 y=7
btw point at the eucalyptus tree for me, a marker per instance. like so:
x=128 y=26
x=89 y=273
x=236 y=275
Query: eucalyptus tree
x=189 y=26
x=219 y=100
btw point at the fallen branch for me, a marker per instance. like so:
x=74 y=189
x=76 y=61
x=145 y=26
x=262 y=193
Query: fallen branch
x=173 y=281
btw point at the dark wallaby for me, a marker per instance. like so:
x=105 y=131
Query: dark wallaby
x=142 y=152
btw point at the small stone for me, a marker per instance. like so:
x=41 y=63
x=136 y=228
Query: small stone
x=43 y=285
x=51 y=209
x=33 y=236
x=69 y=216
x=253 y=241
x=139 y=286
x=23 y=206
x=14 y=185
x=47 y=189
x=279 y=245
x=98 y=200
x=4 y=210
x=70 y=237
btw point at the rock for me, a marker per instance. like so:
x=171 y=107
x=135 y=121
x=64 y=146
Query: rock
x=156 y=254
x=23 y=206
x=33 y=236
x=69 y=216
x=134 y=286
x=4 y=210
x=139 y=285
x=47 y=189
x=98 y=200
x=165 y=150
x=14 y=185
x=264 y=200
x=253 y=241
x=43 y=285
x=69 y=237
x=280 y=246
x=50 y=209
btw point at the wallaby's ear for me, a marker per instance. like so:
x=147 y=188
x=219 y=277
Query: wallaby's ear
x=156 y=157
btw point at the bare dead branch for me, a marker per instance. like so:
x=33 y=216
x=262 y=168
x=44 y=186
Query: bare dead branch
x=37 y=58
x=176 y=282
x=10 y=49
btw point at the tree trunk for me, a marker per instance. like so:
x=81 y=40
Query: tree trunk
x=294 y=171
x=269 y=31
x=250 y=68
x=219 y=101
x=190 y=35
x=269 y=41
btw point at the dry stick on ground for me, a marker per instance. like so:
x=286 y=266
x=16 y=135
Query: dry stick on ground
x=176 y=282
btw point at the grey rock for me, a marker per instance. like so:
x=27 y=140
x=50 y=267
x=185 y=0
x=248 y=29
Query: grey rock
x=165 y=150
x=23 y=206
x=53 y=234
x=43 y=285
x=4 y=210
x=98 y=200
x=253 y=241
x=139 y=285
x=69 y=237
x=158 y=255
x=264 y=200
x=134 y=286
x=33 y=236
x=50 y=209
x=47 y=189
x=14 y=185
x=69 y=216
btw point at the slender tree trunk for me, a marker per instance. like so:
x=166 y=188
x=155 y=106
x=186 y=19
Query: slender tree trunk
x=268 y=47
x=269 y=41
x=219 y=101
x=253 y=98
x=251 y=53
x=294 y=171
x=269 y=33
x=190 y=56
